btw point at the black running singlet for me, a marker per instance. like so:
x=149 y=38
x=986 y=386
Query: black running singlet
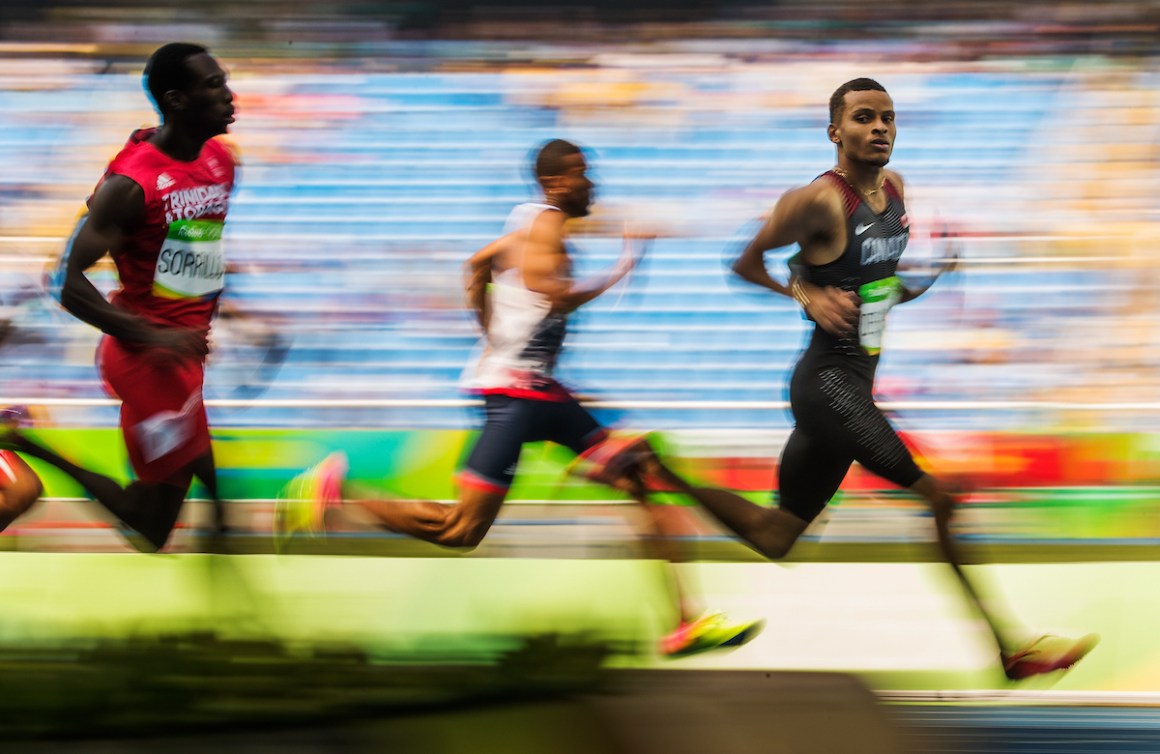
x=874 y=243
x=831 y=390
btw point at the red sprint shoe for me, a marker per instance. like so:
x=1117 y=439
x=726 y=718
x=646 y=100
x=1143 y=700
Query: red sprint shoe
x=610 y=461
x=1046 y=654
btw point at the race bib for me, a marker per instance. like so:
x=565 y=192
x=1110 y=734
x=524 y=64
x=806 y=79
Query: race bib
x=191 y=263
x=877 y=299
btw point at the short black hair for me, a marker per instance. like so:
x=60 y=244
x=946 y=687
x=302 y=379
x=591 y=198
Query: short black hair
x=550 y=157
x=838 y=98
x=166 y=70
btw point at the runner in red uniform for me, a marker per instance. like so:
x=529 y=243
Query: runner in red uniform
x=158 y=211
x=20 y=487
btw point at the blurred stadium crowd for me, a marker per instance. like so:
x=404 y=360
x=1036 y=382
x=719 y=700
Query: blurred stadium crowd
x=384 y=142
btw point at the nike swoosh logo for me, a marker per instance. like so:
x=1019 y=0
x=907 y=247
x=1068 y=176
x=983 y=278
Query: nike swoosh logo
x=860 y=229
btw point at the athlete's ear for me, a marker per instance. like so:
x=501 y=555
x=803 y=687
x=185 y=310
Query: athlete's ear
x=832 y=131
x=550 y=184
x=174 y=99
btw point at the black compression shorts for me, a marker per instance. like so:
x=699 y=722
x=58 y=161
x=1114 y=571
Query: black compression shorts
x=837 y=423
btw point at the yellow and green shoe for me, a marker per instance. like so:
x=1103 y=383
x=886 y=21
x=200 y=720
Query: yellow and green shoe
x=709 y=632
x=303 y=502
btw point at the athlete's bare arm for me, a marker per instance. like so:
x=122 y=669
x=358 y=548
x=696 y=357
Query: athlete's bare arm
x=116 y=209
x=914 y=290
x=478 y=272
x=545 y=266
x=813 y=218
x=911 y=292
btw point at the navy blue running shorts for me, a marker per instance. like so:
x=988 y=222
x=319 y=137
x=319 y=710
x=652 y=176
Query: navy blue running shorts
x=511 y=422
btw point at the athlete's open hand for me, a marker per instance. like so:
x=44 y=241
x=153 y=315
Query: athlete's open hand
x=174 y=343
x=948 y=263
x=835 y=310
x=636 y=243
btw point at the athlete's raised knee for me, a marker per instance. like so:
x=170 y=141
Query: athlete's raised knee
x=941 y=500
x=779 y=532
x=775 y=550
x=18 y=496
x=465 y=538
x=25 y=491
x=461 y=530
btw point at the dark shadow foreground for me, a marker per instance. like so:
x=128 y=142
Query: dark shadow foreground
x=198 y=693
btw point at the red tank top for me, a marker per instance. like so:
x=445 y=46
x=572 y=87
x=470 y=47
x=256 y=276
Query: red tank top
x=172 y=269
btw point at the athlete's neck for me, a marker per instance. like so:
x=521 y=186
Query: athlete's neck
x=867 y=180
x=555 y=204
x=178 y=144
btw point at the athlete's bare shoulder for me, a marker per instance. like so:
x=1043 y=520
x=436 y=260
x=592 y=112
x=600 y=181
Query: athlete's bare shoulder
x=816 y=198
x=547 y=229
x=895 y=180
x=541 y=251
x=807 y=215
x=119 y=201
x=824 y=203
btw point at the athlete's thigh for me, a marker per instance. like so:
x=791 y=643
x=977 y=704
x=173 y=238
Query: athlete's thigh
x=809 y=473
x=163 y=418
x=569 y=424
x=491 y=465
x=843 y=412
